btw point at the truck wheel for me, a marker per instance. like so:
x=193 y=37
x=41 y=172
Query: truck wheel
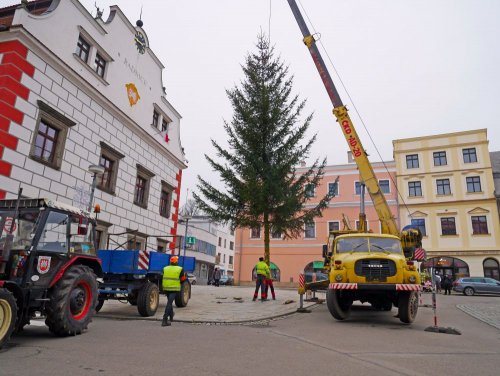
x=8 y=314
x=182 y=298
x=100 y=303
x=148 y=299
x=72 y=301
x=408 y=306
x=339 y=307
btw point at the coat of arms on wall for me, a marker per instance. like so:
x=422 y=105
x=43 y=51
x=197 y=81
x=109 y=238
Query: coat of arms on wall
x=132 y=93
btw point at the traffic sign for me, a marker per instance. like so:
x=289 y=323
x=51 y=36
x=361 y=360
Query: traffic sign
x=190 y=240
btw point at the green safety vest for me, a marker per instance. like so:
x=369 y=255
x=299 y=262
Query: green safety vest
x=171 y=278
x=262 y=269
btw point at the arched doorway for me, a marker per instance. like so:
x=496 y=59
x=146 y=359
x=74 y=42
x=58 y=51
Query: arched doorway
x=275 y=272
x=491 y=268
x=315 y=271
x=443 y=265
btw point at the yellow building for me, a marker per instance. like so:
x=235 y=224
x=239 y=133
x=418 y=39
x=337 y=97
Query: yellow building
x=447 y=190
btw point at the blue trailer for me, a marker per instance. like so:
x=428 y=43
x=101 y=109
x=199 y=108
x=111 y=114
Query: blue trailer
x=135 y=276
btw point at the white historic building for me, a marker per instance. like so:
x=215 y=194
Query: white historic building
x=77 y=91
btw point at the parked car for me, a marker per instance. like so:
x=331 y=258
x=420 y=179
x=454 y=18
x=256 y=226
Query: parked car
x=192 y=278
x=476 y=285
x=226 y=280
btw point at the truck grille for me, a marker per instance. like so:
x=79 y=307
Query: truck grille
x=375 y=269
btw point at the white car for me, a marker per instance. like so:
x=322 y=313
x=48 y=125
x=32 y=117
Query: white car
x=192 y=278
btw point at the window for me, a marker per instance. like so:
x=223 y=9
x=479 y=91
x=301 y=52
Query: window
x=225 y=243
x=224 y=258
x=275 y=234
x=357 y=188
x=231 y=247
x=82 y=49
x=412 y=161
x=309 y=230
x=136 y=242
x=384 y=186
x=473 y=184
x=333 y=226
x=309 y=190
x=161 y=245
x=165 y=199
x=142 y=183
x=100 y=65
x=479 y=225
x=491 y=268
x=443 y=186
x=230 y=260
x=414 y=189
x=470 y=155
x=220 y=241
x=50 y=136
x=448 y=226
x=109 y=159
x=255 y=233
x=156 y=119
x=164 y=125
x=333 y=189
x=440 y=158
x=420 y=224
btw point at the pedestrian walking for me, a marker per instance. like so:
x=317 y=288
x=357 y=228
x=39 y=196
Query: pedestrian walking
x=173 y=276
x=263 y=273
x=269 y=285
x=447 y=285
x=217 y=275
x=437 y=282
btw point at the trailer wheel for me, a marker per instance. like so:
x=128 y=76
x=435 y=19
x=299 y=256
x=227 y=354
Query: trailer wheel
x=8 y=314
x=408 y=306
x=148 y=299
x=338 y=305
x=72 y=301
x=182 y=298
x=132 y=298
x=100 y=303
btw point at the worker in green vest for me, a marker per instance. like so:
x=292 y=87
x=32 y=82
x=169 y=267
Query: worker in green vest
x=263 y=273
x=173 y=276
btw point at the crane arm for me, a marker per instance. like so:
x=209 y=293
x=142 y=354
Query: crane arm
x=366 y=172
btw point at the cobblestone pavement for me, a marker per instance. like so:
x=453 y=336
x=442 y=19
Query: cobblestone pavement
x=486 y=312
x=210 y=304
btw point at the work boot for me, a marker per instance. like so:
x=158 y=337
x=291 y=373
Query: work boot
x=254 y=299
x=165 y=322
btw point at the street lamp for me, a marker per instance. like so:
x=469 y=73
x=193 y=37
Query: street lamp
x=96 y=170
x=185 y=220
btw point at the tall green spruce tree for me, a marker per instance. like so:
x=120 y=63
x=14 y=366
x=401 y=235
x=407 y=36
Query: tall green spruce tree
x=262 y=185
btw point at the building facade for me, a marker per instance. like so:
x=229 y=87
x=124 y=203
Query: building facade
x=289 y=258
x=77 y=91
x=447 y=189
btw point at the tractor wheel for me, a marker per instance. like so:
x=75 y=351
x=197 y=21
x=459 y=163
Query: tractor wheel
x=408 y=306
x=8 y=314
x=148 y=299
x=339 y=307
x=72 y=301
x=182 y=298
x=100 y=303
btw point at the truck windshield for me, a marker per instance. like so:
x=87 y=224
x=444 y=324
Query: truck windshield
x=368 y=244
x=21 y=232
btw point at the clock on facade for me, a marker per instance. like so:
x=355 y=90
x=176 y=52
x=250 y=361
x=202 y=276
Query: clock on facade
x=140 y=42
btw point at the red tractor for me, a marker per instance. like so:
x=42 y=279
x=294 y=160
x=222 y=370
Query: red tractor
x=48 y=266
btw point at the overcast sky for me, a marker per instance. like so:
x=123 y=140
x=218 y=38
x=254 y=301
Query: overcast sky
x=413 y=68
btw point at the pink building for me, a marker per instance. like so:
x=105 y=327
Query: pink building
x=289 y=258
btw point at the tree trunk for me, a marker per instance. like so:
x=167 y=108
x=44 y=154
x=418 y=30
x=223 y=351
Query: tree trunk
x=267 y=227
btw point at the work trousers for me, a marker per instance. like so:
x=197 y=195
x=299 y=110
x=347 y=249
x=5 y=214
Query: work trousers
x=169 y=309
x=260 y=282
x=269 y=285
x=447 y=290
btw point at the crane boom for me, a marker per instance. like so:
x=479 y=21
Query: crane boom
x=388 y=223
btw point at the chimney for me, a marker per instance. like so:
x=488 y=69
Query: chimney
x=350 y=159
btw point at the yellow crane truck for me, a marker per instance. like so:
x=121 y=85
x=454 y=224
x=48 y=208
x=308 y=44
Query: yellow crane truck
x=363 y=266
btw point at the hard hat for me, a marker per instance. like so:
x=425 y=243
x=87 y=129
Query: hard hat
x=174 y=259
